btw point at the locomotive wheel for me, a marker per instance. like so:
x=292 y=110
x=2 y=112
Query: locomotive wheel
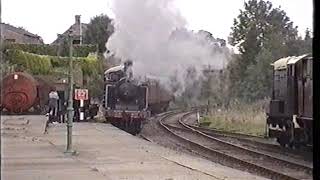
x=286 y=137
x=137 y=127
x=283 y=141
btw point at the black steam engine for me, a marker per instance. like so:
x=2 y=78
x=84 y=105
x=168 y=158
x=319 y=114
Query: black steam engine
x=290 y=116
x=126 y=101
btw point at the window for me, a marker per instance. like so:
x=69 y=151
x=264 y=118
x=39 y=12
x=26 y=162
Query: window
x=10 y=40
x=309 y=68
x=291 y=71
x=76 y=42
x=305 y=68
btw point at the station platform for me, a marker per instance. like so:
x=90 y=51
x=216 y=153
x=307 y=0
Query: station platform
x=103 y=152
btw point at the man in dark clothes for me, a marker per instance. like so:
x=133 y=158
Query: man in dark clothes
x=76 y=105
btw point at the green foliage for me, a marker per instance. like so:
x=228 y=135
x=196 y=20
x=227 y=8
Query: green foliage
x=43 y=64
x=98 y=32
x=53 y=50
x=219 y=123
x=240 y=117
x=33 y=63
x=263 y=35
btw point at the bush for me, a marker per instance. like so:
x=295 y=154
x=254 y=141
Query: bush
x=44 y=64
x=33 y=63
x=239 y=117
x=53 y=50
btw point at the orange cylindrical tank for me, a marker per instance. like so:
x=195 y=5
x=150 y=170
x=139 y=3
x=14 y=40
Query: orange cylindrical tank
x=19 y=92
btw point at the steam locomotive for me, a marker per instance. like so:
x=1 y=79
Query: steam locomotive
x=128 y=102
x=290 y=115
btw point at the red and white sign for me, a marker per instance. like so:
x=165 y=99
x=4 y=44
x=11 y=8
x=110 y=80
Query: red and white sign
x=81 y=94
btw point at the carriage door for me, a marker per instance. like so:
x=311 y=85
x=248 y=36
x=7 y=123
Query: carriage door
x=299 y=68
x=307 y=88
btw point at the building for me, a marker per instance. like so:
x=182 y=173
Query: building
x=77 y=32
x=19 y=35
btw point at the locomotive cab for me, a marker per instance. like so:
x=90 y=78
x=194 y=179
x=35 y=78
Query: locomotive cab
x=289 y=118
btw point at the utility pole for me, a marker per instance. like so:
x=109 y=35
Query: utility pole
x=70 y=100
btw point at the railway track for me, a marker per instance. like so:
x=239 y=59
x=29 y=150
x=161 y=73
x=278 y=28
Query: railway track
x=217 y=149
x=305 y=155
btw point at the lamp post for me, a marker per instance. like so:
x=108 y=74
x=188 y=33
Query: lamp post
x=70 y=100
x=1 y=42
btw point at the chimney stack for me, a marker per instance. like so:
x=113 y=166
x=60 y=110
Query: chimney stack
x=77 y=17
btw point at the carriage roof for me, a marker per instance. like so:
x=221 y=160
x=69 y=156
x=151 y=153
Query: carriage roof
x=283 y=62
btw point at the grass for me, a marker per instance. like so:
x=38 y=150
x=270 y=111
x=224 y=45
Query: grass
x=239 y=117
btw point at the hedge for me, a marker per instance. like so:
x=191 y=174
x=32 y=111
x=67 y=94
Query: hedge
x=31 y=62
x=44 y=64
x=53 y=50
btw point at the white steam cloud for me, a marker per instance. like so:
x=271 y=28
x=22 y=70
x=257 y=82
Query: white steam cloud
x=144 y=33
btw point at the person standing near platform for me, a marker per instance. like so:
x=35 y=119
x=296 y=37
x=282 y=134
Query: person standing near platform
x=53 y=105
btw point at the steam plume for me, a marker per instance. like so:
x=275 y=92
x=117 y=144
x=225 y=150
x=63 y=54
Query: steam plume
x=152 y=33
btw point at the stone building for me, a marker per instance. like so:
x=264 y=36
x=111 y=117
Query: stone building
x=19 y=35
x=77 y=32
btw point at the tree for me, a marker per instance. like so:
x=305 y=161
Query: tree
x=307 y=44
x=98 y=31
x=263 y=35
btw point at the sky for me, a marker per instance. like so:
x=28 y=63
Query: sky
x=48 y=18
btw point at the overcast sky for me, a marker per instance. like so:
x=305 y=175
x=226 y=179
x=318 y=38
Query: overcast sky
x=47 y=18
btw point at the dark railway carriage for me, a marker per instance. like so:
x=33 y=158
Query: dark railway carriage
x=158 y=97
x=290 y=115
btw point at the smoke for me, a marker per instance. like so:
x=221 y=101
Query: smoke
x=152 y=33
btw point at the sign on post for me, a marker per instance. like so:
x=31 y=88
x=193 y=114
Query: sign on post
x=81 y=94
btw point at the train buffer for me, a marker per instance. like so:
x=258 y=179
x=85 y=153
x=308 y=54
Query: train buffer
x=104 y=152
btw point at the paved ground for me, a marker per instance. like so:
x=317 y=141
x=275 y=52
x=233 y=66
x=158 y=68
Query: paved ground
x=104 y=152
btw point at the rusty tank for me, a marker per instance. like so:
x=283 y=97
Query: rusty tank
x=19 y=92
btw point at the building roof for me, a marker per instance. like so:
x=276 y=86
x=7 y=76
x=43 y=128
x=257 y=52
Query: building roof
x=77 y=30
x=7 y=27
x=18 y=30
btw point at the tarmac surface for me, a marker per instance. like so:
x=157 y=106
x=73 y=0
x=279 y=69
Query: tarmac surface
x=103 y=152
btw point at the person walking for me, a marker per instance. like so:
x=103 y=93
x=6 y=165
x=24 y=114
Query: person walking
x=53 y=109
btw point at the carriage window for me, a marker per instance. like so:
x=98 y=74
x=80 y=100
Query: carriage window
x=305 y=68
x=283 y=74
x=309 y=68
